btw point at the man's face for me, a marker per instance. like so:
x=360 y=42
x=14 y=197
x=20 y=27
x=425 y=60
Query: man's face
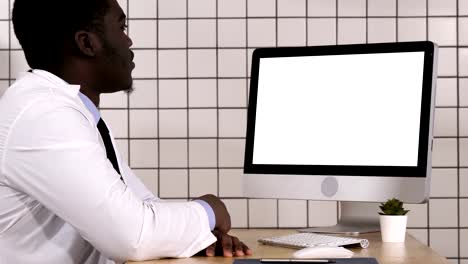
x=116 y=63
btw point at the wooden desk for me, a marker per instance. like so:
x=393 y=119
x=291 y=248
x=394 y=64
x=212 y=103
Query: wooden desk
x=411 y=252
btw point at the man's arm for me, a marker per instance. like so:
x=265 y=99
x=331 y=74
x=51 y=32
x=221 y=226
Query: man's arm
x=226 y=245
x=134 y=182
x=139 y=188
x=54 y=156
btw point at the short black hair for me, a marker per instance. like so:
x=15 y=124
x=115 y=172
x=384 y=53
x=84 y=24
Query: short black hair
x=45 y=28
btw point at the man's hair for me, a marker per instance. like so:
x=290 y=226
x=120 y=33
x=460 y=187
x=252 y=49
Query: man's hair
x=46 y=28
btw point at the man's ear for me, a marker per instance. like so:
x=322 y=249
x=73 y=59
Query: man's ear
x=88 y=43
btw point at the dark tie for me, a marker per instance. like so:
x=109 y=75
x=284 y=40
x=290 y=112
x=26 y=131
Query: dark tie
x=104 y=131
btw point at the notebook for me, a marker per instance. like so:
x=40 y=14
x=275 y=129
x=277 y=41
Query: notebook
x=298 y=261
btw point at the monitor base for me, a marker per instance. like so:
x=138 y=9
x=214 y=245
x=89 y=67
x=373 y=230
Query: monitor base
x=355 y=218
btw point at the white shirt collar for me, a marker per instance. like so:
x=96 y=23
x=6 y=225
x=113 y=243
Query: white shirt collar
x=73 y=90
x=57 y=81
x=90 y=106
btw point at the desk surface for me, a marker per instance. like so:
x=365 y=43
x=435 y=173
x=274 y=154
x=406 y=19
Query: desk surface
x=412 y=251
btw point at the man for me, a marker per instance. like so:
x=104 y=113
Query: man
x=65 y=196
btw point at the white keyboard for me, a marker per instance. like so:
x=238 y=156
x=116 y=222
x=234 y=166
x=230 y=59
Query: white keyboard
x=303 y=240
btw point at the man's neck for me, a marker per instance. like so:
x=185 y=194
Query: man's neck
x=81 y=74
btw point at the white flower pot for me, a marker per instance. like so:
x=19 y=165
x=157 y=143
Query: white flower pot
x=393 y=228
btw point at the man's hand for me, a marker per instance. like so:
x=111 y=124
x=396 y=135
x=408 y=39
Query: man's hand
x=227 y=246
x=223 y=219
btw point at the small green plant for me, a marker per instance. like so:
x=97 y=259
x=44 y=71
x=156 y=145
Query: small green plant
x=392 y=207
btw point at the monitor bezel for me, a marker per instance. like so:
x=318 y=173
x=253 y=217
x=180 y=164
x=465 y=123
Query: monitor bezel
x=345 y=170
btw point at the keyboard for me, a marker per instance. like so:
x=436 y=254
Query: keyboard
x=303 y=240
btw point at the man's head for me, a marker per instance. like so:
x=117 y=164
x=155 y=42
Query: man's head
x=80 y=39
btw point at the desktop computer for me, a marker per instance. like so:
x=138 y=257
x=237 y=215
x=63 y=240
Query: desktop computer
x=347 y=123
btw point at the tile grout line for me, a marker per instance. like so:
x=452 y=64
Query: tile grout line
x=367 y=21
x=396 y=21
x=158 y=123
x=338 y=206
x=157 y=102
x=247 y=85
x=10 y=24
x=458 y=132
x=307 y=44
x=298 y=16
x=217 y=100
x=276 y=45
x=429 y=200
x=306 y=23
x=187 y=93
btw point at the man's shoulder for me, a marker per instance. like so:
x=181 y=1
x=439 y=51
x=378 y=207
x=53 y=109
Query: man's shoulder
x=25 y=90
x=35 y=115
x=31 y=99
x=31 y=91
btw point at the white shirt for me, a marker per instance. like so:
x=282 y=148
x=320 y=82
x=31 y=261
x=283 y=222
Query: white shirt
x=61 y=201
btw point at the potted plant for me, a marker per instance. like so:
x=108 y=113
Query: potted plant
x=393 y=221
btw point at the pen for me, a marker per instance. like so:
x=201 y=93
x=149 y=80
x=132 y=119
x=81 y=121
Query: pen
x=297 y=260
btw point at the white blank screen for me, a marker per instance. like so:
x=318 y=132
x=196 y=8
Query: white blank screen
x=361 y=109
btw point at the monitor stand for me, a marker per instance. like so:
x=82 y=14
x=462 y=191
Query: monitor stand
x=355 y=218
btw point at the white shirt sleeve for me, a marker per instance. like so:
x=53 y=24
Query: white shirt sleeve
x=53 y=154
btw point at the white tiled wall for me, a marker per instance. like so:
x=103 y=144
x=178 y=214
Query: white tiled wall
x=183 y=127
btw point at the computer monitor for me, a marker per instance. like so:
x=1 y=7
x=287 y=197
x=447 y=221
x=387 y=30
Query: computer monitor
x=348 y=123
